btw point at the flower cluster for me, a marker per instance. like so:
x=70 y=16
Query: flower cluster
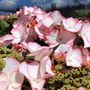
x=43 y=38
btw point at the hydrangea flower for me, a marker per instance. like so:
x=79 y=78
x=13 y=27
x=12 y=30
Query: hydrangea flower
x=6 y=39
x=10 y=77
x=84 y=33
x=36 y=72
x=74 y=57
x=72 y=24
x=20 y=33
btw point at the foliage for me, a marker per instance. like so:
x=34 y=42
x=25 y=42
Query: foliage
x=6 y=24
x=7 y=52
x=2 y=64
x=68 y=78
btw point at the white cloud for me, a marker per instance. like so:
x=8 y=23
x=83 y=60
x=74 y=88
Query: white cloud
x=8 y=3
x=64 y=3
x=84 y=2
x=60 y=3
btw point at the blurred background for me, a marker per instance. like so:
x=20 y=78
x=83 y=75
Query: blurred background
x=75 y=8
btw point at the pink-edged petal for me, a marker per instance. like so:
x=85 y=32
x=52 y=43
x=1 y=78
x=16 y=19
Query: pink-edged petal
x=63 y=48
x=86 y=55
x=31 y=9
x=85 y=34
x=74 y=57
x=20 y=33
x=32 y=35
x=65 y=36
x=30 y=70
x=32 y=46
x=36 y=50
x=38 y=31
x=3 y=81
x=40 y=53
x=39 y=84
x=47 y=22
x=45 y=68
x=3 y=77
x=56 y=17
x=71 y=24
x=16 y=77
x=39 y=17
x=11 y=65
x=26 y=10
x=6 y=39
x=52 y=37
x=14 y=86
x=81 y=88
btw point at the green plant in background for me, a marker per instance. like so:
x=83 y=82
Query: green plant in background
x=7 y=52
x=6 y=24
x=68 y=78
x=2 y=64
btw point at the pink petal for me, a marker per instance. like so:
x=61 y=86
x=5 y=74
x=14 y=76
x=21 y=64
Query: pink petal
x=85 y=34
x=74 y=57
x=56 y=17
x=40 y=53
x=47 y=22
x=52 y=38
x=40 y=34
x=32 y=46
x=32 y=35
x=86 y=55
x=16 y=77
x=39 y=84
x=3 y=77
x=30 y=70
x=20 y=33
x=81 y=88
x=3 y=81
x=11 y=65
x=14 y=86
x=6 y=39
x=71 y=24
x=26 y=10
x=63 y=48
x=65 y=36
x=35 y=48
x=45 y=68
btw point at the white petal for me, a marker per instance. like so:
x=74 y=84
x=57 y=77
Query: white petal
x=47 y=22
x=85 y=34
x=11 y=65
x=3 y=81
x=14 y=86
x=74 y=57
x=16 y=77
x=6 y=39
x=30 y=70
x=45 y=68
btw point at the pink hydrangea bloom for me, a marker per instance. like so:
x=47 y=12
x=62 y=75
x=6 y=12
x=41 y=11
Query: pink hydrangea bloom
x=6 y=39
x=85 y=34
x=37 y=72
x=71 y=24
x=10 y=78
x=20 y=33
x=37 y=50
x=74 y=57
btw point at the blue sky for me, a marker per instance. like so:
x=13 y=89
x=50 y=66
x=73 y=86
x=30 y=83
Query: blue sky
x=13 y=4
